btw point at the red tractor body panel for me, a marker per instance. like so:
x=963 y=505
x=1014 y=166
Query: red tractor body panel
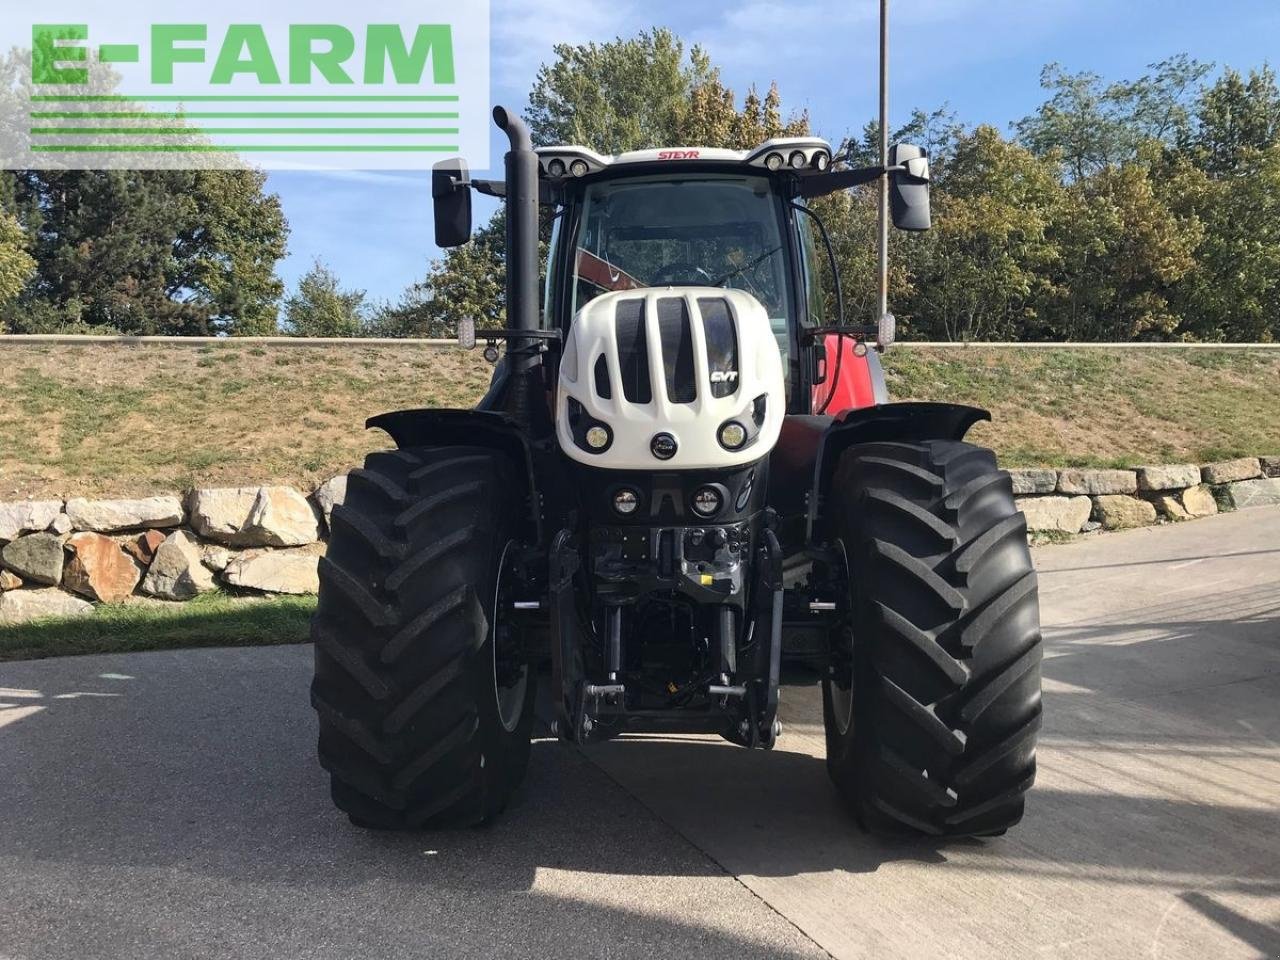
x=855 y=387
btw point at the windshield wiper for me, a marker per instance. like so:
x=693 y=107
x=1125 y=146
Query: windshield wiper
x=746 y=266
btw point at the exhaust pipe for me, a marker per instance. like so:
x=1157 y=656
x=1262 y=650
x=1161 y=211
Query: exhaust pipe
x=522 y=263
x=522 y=222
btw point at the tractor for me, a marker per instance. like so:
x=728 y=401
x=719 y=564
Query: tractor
x=685 y=474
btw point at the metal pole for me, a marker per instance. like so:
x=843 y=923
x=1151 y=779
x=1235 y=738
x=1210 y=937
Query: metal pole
x=884 y=159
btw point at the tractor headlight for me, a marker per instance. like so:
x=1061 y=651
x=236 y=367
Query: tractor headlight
x=556 y=168
x=597 y=437
x=732 y=435
x=797 y=159
x=707 y=501
x=821 y=160
x=579 y=168
x=773 y=161
x=626 y=501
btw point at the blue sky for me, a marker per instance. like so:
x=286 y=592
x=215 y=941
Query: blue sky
x=981 y=57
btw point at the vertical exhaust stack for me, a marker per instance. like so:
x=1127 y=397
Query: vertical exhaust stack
x=522 y=261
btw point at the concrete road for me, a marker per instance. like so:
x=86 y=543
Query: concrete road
x=168 y=805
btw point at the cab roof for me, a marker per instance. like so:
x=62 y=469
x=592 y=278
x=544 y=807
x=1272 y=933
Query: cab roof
x=794 y=154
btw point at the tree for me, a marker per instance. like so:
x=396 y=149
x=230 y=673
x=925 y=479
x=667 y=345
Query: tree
x=1091 y=125
x=16 y=265
x=984 y=268
x=617 y=96
x=321 y=308
x=1234 y=117
x=1123 y=250
x=226 y=254
x=150 y=251
x=1234 y=291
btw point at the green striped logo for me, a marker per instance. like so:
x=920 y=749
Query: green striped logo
x=331 y=93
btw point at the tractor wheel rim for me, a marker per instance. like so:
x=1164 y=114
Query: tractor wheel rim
x=840 y=681
x=504 y=642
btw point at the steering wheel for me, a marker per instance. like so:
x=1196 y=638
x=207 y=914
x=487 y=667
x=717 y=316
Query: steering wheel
x=679 y=274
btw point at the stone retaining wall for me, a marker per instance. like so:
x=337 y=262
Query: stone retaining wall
x=1080 y=501
x=57 y=558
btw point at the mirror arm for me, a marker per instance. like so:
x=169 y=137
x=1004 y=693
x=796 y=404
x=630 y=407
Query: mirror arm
x=824 y=184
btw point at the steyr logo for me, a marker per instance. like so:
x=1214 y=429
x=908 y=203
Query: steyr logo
x=677 y=154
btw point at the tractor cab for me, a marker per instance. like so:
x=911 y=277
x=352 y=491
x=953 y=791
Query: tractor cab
x=713 y=218
x=719 y=219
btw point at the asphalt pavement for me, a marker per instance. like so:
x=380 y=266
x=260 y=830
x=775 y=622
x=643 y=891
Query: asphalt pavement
x=169 y=805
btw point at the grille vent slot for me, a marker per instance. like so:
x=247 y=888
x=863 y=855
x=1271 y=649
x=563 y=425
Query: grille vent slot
x=722 y=345
x=633 y=350
x=677 y=349
x=604 y=390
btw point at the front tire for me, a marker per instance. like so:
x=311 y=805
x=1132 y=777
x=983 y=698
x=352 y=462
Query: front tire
x=932 y=712
x=424 y=698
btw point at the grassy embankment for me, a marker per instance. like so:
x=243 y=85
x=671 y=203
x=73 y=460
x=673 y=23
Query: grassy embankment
x=114 y=420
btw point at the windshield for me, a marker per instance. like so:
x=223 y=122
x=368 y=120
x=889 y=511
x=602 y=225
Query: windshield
x=696 y=231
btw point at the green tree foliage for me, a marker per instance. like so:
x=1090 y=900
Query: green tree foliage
x=321 y=308
x=1122 y=252
x=149 y=251
x=16 y=265
x=623 y=95
x=1236 y=117
x=1091 y=125
x=984 y=268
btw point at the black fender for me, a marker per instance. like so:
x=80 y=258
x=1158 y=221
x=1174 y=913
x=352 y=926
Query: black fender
x=467 y=428
x=887 y=422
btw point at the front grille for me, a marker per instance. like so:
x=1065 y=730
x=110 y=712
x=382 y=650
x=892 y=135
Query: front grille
x=675 y=335
x=677 y=349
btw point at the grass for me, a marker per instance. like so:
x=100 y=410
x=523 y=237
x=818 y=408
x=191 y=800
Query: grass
x=1104 y=408
x=119 y=420
x=212 y=620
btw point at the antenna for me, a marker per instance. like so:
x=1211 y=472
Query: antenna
x=884 y=162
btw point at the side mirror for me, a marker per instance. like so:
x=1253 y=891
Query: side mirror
x=452 y=199
x=909 y=187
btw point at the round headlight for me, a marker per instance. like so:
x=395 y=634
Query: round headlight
x=556 y=167
x=579 y=168
x=597 y=437
x=625 y=501
x=733 y=435
x=797 y=159
x=821 y=160
x=773 y=161
x=707 y=501
x=663 y=446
